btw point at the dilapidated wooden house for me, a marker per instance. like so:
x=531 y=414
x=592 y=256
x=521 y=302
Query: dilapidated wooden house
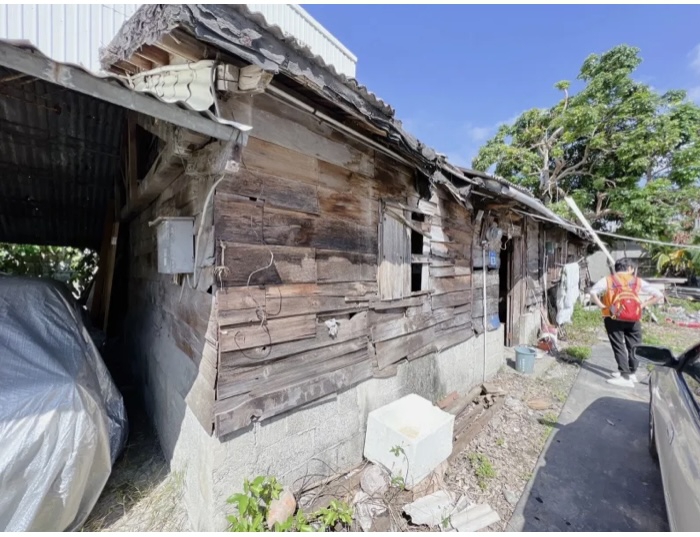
x=303 y=259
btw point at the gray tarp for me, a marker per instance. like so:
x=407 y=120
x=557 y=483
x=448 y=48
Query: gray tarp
x=62 y=419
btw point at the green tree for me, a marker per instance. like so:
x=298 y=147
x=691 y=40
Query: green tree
x=72 y=266
x=627 y=154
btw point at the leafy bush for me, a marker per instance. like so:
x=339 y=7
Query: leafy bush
x=579 y=353
x=253 y=506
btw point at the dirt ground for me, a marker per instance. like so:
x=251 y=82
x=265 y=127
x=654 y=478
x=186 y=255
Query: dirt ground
x=497 y=464
x=141 y=494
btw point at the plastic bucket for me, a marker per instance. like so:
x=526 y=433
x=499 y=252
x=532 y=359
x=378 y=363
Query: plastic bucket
x=525 y=359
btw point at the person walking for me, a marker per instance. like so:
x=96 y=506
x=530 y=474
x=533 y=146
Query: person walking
x=622 y=315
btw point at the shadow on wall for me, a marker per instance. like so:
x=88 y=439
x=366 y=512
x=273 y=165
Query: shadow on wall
x=597 y=475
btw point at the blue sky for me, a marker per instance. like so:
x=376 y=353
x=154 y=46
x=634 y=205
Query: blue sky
x=453 y=73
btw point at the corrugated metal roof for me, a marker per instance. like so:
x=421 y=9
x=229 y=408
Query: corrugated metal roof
x=293 y=20
x=60 y=155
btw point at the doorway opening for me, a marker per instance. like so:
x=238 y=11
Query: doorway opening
x=505 y=288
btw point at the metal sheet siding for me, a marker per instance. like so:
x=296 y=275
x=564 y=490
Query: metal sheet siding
x=65 y=32
x=294 y=20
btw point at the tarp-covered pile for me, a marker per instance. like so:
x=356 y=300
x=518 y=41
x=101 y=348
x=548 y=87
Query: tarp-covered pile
x=62 y=419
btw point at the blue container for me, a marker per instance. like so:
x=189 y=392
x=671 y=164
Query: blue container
x=525 y=359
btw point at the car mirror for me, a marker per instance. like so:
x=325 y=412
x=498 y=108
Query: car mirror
x=655 y=355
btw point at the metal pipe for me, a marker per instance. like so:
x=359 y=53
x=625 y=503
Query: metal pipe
x=484 y=269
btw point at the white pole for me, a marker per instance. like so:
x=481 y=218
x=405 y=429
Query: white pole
x=484 y=269
x=572 y=204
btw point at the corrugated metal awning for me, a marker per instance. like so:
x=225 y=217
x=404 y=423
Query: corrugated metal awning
x=61 y=132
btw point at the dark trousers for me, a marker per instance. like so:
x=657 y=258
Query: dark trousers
x=624 y=336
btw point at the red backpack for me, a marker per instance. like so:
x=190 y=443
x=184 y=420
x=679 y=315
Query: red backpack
x=625 y=304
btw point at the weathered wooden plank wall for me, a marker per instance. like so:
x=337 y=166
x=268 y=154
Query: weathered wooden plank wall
x=299 y=230
x=173 y=309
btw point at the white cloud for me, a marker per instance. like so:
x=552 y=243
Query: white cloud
x=694 y=94
x=695 y=59
x=480 y=134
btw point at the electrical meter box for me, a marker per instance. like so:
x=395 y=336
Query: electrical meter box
x=175 y=237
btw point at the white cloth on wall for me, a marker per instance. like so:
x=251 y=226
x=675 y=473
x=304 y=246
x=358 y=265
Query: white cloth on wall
x=567 y=293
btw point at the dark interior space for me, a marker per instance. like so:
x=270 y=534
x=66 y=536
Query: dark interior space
x=416 y=249
x=503 y=279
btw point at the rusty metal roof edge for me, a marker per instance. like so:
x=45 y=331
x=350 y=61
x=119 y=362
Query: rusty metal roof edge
x=52 y=72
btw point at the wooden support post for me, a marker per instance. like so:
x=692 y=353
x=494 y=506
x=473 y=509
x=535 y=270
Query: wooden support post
x=109 y=274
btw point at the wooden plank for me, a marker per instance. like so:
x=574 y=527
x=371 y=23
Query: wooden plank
x=406 y=325
x=411 y=301
x=443 y=339
x=109 y=274
x=289 y=228
x=393 y=350
x=394 y=272
x=272 y=332
x=283 y=193
x=349 y=327
x=306 y=135
x=340 y=266
x=289 y=265
x=273 y=159
x=455 y=298
x=347 y=205
x=441 y=272
x=448 y=285
x=235 y=413
x=304 y=365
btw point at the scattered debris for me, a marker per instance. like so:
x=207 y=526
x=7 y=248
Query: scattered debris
x=513 y=404
x=511 y=497
x=374 y=481
x=474 y=518
x=367 y=510
x=282 y=508
x=539 y=404
x=492 y=388
x=434 y=482
x=448 y=400
x=431 y=510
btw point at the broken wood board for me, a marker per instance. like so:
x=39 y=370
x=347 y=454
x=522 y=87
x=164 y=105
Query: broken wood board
x=471 y=432
x=348 y=328
x=238 y=412
x=271 y=332
x=290 y=368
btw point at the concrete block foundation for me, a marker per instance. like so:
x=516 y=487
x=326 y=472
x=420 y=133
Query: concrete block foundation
x=304 y=445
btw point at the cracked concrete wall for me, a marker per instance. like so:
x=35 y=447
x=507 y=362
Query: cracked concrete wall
x=306 y=444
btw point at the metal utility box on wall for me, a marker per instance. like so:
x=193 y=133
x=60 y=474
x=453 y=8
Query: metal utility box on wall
x=175 y=238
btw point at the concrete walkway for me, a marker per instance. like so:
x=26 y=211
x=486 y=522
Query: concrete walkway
x=595 y=473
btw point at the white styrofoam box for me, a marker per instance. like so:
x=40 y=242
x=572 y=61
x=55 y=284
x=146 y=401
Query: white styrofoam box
x=175 y=235
x=422 y=430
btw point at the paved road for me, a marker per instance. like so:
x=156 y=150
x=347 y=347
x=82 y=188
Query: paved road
x=596 y=473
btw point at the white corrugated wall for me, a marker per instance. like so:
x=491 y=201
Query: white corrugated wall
x=294 y=20
x=74 y=33
x=65 y=32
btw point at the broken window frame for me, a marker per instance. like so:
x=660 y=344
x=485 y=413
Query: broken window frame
x=398 y=228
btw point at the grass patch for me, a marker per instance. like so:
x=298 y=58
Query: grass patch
x=689 y=305
x=549 y=420
x=560 y=396
x=500 y=442
x=585 y=326
x=579 y=352
x=483 y=469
